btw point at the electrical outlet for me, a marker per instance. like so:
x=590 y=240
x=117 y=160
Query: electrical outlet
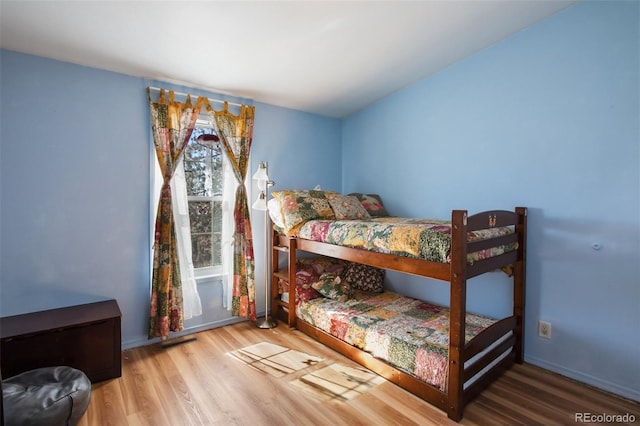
x=544 y=329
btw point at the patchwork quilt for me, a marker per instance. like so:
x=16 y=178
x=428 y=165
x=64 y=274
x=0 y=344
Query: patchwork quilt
x=418 y=238
x=409 y=334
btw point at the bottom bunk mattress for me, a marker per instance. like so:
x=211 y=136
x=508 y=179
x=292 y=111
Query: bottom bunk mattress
x=407 y=333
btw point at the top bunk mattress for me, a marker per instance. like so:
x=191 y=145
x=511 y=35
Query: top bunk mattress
x=426 y=239
x=361 y=221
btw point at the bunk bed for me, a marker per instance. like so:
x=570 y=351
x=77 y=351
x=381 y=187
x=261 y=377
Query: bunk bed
x=473 y=362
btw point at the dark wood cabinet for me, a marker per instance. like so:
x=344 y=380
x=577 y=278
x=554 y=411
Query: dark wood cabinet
x=86 y=337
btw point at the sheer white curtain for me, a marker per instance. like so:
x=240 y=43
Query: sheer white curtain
x=228 y=226
x=190 y=297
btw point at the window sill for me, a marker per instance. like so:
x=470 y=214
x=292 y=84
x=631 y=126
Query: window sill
x=208 y=277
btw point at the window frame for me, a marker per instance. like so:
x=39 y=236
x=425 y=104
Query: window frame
x=214 y=271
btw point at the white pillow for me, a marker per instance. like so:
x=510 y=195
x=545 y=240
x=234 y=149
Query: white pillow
x=275 y=212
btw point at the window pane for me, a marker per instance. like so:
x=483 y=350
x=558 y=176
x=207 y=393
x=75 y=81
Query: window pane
x=217 y=245
x=216 y=172
x=201 y=250
x=217 y=232
x=200 y=215
x=217 y=217
x=201 y=237
x=198 y=183
x=195 y=151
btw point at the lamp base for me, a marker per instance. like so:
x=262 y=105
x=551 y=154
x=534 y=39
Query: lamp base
x=266 y=323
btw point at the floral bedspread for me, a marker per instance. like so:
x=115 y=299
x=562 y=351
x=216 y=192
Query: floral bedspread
x=409 y=334
x=419 y=238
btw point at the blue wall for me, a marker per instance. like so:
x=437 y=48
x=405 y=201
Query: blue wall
x=75 y=181
x=549 y=119
x=546 y=119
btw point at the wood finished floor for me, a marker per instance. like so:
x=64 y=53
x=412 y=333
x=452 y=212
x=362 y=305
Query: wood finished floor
x=199 y=383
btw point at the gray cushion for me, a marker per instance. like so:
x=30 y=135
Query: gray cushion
x=46 y=396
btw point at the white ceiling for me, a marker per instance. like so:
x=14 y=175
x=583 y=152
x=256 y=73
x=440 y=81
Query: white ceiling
x=326 y=57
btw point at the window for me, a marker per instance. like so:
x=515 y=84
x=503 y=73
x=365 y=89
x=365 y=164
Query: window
x=203 y=169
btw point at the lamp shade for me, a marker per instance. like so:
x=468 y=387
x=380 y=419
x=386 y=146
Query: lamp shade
x=260 y=203
x=261 y=173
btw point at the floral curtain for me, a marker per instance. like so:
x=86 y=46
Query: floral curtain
x=172 y=124
x=236 y=134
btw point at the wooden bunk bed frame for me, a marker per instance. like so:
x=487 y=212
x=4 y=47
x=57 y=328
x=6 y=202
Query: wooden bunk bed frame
x=504 y=335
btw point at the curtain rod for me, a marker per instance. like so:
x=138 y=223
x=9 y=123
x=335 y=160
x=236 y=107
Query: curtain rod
x=188 y=94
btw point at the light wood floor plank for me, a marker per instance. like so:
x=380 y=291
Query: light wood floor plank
x=199 y=383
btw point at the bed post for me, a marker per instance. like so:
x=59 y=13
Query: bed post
x=292 y=282
x=458 y=302
x=519 y=282
x=275 y=266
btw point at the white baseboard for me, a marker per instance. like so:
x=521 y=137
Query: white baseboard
x=135 y=343
x=623 y=391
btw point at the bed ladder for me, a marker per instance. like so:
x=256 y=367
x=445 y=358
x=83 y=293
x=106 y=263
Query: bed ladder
x=282 y=309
